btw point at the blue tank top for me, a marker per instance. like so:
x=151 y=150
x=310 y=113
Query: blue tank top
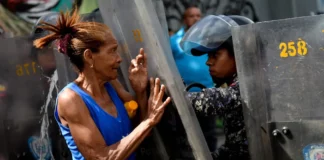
x=193 y=69
x=112 y=129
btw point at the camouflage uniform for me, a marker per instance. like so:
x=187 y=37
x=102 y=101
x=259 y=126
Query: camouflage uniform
x=225 y=103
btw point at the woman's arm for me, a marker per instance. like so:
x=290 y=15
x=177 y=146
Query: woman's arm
x=140 y=97
x=121 y=91
x=213 y=101
x=88 y=138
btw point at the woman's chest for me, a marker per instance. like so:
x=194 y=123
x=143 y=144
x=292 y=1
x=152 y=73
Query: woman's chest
x=113 y=129
x=108 y=106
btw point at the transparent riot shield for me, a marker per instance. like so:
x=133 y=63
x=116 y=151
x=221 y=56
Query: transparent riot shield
x=280 y=66
x=159 y=10
x=135 y=24
x=28 y=85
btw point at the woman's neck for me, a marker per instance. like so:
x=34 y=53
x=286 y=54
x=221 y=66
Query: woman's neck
x=91 y=84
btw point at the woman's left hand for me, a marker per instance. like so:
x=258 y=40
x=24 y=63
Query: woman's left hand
x=138 y=72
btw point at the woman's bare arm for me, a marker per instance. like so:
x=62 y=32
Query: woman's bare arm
x=140 y=98
x=74 y=114
x=124 y=95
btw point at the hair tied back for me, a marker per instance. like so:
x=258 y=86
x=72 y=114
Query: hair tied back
x=63 y=43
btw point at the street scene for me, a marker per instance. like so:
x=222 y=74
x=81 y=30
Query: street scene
x=161 y=80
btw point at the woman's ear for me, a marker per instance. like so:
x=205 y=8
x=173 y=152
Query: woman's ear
x=88 y=58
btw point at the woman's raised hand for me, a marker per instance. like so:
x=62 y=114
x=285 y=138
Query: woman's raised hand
x=156 y=105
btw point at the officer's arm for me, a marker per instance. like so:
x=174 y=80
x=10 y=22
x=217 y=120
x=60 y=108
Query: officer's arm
x=212 y=101
x=74 y=114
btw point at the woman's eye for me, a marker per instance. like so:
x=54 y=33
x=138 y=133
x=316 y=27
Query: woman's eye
x=111 y=51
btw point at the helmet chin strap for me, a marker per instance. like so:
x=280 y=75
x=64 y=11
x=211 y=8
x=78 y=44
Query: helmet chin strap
x=220 y=81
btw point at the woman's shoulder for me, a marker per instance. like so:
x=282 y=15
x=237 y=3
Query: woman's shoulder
x=67 y=95
x=69 y=102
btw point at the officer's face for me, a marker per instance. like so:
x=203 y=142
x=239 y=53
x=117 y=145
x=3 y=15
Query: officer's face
x=221 y=64
x=192 y=15
x=46 y=60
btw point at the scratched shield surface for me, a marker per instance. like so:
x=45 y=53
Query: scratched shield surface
x=29 y=88
x=135 y=24
x=280 y=65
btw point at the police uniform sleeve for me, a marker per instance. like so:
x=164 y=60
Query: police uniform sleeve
x=214 y=101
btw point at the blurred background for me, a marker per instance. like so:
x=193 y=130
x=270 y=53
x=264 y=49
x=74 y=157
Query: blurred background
x=17 y=16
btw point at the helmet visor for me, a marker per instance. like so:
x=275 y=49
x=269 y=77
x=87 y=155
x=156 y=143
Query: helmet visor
x=207 y=34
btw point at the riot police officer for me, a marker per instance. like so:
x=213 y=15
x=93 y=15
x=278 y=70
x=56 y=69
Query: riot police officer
x=212 y=36
x=191 y=69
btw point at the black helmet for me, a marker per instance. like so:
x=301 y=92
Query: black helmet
x=49 y=18
x=38 y=32
x=210 y=33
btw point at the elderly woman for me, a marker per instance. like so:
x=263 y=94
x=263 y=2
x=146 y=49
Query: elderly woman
x=90 y=111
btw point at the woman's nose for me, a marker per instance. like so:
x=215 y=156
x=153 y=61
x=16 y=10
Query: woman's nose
x=119 y=59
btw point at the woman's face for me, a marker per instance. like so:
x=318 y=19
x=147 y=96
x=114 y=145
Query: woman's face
x=107 y=61
x=221 y=64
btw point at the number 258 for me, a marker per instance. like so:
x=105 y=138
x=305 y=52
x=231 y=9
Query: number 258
x=292 y=50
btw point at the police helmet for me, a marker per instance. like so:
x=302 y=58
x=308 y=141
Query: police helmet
x=39 y=32
x=210 y=33
x=48 y=18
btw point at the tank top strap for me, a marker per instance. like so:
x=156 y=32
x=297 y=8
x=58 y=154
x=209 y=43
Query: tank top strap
x=74 y=87
x=87 y=99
